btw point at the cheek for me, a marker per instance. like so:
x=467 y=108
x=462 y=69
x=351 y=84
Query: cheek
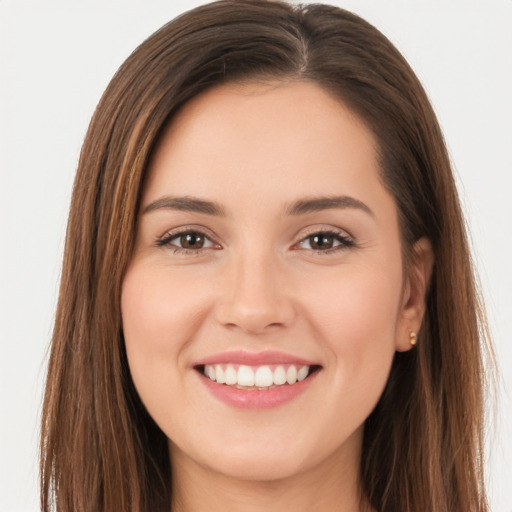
x=356 y=303
x=159 y=309
x=161 y=314
x=355 y=316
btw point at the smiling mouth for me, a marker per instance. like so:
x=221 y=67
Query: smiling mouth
x=263 y=377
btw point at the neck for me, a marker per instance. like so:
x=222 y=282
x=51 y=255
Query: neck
x=331 y=486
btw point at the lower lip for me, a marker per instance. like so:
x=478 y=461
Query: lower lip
x=257 y=398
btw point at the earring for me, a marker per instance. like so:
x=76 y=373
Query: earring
x=412 y=337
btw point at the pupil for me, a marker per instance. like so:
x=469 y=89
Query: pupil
x=322 y=241
x=192 y=241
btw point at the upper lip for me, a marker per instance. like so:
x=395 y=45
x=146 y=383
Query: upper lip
x=253 y=358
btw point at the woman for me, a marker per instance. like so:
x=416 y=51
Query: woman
x=267 y=299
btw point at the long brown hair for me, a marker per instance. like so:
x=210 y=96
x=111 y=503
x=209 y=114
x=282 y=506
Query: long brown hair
x=422 y=447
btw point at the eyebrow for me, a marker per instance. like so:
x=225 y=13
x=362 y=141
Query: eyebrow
x=186 y=204
x=300 y=207
x=317 y=204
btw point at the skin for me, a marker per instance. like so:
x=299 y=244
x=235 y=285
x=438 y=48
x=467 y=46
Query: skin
x=258 y=284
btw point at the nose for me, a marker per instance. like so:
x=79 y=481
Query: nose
x=255 y=297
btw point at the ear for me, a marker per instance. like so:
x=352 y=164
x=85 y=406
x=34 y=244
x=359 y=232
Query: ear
x=416 y=285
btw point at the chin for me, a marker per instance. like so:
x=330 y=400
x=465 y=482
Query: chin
x=264 y=467
x=264 y=455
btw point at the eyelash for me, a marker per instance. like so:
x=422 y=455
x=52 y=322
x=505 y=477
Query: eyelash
x=170 y=236
x=345 y=242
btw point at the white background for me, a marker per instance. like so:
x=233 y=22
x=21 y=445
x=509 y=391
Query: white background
x=56 y=58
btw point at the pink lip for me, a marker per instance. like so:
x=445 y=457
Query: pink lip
x=255 y=398
x=254 y=358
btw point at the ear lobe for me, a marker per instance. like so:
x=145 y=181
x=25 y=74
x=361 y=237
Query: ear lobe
x=419 y=273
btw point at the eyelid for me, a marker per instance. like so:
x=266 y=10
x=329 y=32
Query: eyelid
x=173 y=233
x=322 y=228
x=342 y=234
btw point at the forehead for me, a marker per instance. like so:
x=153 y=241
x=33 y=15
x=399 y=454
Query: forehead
x=264 y=138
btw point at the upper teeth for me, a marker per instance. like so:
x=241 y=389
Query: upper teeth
x=256 y=376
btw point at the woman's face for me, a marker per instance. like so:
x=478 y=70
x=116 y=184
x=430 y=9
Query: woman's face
x=267 y=250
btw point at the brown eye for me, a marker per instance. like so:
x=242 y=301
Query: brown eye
x=321 y=241
x=325 y=241
x=188 y=241
x=192 y=241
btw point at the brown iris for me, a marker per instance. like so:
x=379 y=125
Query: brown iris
x=321 y=241
x=192 y=241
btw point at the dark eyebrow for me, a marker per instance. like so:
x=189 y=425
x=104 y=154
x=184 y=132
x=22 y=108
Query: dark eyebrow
x=187 y=204
x=316 y=204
